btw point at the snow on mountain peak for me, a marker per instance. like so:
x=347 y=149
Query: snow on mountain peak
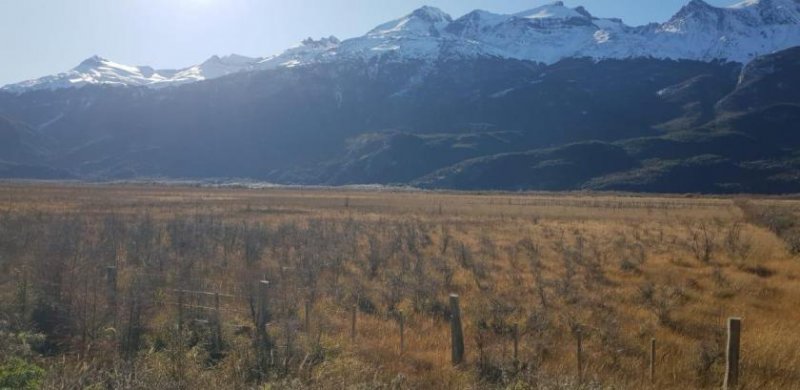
x=97 y=70
x=556 y=10
x=778 y=12
x=547 y=34
x=94 y=60
x=476 y=23
x=211 y=68
x=425 y=21
x=737 y=33
x=100 y=65
x=308 y=51
x=745 y=4
x=94 y=70
x=747 y=13
x=431 y=14
x=779 y=4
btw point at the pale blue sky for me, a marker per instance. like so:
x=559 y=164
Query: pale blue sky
x=40 y=37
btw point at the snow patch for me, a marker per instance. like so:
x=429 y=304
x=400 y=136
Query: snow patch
x=545 y=34
x=555 y=10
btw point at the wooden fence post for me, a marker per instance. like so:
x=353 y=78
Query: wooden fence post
x=217 y=325
x=579 y=355
x=130 y=340
x=263 y=345
x=111 y=286
x=354 y=313
x=179 y=367
x=263 y=311
x=308 y=316
x=652 y=361
x=180 y=312
x=402 y=334
x=732 y=353
x=456 y=331
x=516 y=342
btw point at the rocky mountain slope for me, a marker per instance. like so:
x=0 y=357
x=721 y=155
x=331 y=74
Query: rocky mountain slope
x=437 y=108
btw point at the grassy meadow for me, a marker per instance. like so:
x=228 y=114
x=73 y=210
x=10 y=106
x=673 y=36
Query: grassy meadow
x=182 y=307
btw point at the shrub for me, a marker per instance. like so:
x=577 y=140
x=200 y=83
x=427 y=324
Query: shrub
x=779 y=220
x=702 y=241
x=18 y=374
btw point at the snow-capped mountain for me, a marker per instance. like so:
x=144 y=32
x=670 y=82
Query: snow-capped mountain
x=553 y=32
x=101 y=71
x=94 y=70
x=545 y=34
x=737 y=33
x=212 y=68
x=309 y=50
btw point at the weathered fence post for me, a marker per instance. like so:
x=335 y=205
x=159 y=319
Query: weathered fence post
x=515 y=332
x=732 y=353
x=456 y=331
x=112 y=310
x=263 y=345
x=263 y=311
x=111 y=286
x=180 y=312
x=652 y=361
x=308 y=316
x=130 y=340
x=179 y=368
x=217 y=325
x=579 y=355
x=353 y=316
x=402 y=334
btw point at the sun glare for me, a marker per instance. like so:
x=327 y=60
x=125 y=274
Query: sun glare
x=196 y=3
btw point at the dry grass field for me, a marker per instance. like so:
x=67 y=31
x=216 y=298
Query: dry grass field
x=618 y=270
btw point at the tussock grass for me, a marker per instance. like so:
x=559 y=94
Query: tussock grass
x=619 y=269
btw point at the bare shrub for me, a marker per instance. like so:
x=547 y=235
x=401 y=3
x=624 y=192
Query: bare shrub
x=779 y=220
x=738 y=245
x=702 y=241
x=661 y=300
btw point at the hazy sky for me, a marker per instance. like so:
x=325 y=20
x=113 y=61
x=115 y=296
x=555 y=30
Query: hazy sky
x=40 y=37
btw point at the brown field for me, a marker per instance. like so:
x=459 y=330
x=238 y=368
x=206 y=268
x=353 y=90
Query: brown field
x=619 y=270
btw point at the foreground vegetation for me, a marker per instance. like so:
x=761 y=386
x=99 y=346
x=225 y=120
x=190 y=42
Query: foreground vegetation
x=616 y=270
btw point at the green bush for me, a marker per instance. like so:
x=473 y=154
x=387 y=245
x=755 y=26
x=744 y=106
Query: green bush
x=18 y=374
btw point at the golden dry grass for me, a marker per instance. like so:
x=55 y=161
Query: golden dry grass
x=623 y=269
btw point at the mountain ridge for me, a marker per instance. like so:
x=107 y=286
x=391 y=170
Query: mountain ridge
x=490 y=123
x=546 y=34
x=419 y=102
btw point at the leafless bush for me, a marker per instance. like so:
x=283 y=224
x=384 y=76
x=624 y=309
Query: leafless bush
x=702 y=241
x=709 y=354
x=254 y=241
x=464 y=256
x=661 y=300
x=738 y=245
x=375 y=256
x=779 y=220
x=529 y=248
x=446 y=238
